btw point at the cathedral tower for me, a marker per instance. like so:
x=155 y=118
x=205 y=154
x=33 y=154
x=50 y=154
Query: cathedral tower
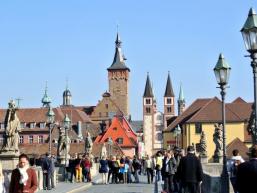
x=118 y=75
x=169 y=106
x=181 y=101
x=149 y=108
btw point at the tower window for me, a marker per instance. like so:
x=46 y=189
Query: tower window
x=148 y=110
x=169 y=101
x=198 y=128
x=169 y=109
x=148 y=101
x=106 y=106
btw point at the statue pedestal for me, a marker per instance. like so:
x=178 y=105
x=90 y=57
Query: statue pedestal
x=62 y=159
x=203 y=159
x=217 y=159
x=9 y=159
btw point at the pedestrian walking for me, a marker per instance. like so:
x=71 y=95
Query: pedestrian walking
x=52 y=171
x=23 y=178
x=78 y=168
x=149 y=168
x=110 y=166
x=128 y=161
x=232 y=165
x=247 y=174
x=103 y=169
x=46 y=168
x=158 y=165
x=168 y=171
x=71 y=169
x=136 y=164
x=190 y=172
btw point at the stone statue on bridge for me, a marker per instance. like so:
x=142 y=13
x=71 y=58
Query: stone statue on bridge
x=63 y=143
x=88 y=143
x=203 y=145
x=12 y=129
x=217 y=139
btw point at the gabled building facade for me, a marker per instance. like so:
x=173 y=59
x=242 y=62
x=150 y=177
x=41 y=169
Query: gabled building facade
x=202 y=115
x=120 y=132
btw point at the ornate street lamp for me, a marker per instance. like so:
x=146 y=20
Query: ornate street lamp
x=249 y=32
x=66 y=124
x=110 y=143
x=50 y=121
x=222 y=72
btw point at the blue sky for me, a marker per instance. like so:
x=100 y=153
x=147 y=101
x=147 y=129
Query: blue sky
x=50 y=40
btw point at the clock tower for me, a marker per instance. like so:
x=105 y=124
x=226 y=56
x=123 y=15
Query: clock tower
x=118 y=76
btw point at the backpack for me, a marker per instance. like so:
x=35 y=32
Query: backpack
x=233 y=170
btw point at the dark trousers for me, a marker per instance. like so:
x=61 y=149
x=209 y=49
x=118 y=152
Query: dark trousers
x=46 y=181
x=109 y=175
x=149 y=172
x=168 y=183
x=115 y=175
x=72 y=174
x=190 y=187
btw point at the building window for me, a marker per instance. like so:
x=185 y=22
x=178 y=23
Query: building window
x=100 y=114
x=198 y=128
x=120 y=140
x=32 y=125
x=21 y=139
x=114 y=128
x=106 y=114
x=2 y=126
x=106 y=106
x=1 y=140
x=169 y=101
x=23 y=125
x=40 y=139
x=31 y=139
x=42 y=125
x=147 y=101
x=148 y=110
x=168 y=109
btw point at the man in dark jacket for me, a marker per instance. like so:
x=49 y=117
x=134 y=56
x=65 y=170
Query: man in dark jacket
x=190 y=172
x=46 y=168
x=247 y=174
x=168 y=171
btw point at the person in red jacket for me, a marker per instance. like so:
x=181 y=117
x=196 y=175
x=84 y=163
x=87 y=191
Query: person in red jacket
x=24 y=178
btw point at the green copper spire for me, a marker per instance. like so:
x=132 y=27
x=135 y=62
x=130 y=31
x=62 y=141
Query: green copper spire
x=181 y=93
x=46 y=100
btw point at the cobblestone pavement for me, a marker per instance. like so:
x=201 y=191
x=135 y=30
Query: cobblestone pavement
x=142 y=187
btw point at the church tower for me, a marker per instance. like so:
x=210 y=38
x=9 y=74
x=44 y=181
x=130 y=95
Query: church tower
x=149 y=108
x=181 y=101
x=169 y=106
x=66 y=97
x=118 y=76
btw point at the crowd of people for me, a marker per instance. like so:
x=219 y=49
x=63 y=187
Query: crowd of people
x=180 y=173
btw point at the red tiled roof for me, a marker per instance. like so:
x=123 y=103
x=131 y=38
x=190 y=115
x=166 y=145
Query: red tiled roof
x=237 y=144
x=188 y=113
x=209 y=110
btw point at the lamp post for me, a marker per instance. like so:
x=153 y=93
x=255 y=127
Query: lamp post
x=50 y=120
x=66 y=123
x=110 y=142
x=249 y=33
x=222 y=72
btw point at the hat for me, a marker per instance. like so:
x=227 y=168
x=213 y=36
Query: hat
x=190 y=148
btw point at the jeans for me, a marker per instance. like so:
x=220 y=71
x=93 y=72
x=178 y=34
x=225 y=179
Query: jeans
x=168 y=183
x=129 y=180
x=136 y=176
x=149 y=172
x=72 y=174
x=158 y=175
